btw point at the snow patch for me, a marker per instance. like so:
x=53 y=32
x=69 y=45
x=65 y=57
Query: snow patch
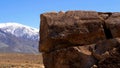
x=20 y=30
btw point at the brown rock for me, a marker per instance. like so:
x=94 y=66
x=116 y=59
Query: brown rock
x=80 y=39
x=113 y=23
x=113 y=60
x=72 y=57
x=102 y=48
x=108 y=53
x=74 y=27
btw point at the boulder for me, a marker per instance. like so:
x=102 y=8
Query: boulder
x=80 y=39
x=72 y=57
x=112 y=60
x=73 y=27
x=102 y=48
x=113 y=23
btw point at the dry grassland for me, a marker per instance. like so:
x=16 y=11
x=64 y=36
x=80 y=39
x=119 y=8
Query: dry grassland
x=16 y=60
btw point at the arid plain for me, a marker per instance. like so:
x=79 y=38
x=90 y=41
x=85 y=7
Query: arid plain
x=15 y=60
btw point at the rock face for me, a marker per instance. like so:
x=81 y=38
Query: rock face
x=71 y=57
x=79 y=39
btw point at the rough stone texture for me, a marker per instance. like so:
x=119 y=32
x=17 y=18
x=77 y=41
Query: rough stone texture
x=113 y=23
x=80 y=39
x=73 y=27
x=102 y=49
x=72 y=57
x=111 y=57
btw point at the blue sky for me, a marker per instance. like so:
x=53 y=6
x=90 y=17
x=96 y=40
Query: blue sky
x=27 y=12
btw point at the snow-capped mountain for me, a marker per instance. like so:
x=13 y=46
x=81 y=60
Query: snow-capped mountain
x=20 y=30
x=16 y=37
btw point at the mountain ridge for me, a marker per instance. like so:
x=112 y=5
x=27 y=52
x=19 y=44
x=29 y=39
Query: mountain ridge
x=15 y=37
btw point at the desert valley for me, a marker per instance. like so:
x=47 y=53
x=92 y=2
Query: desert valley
x=17 y=60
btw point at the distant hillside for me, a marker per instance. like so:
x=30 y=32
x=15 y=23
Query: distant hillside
x=18 y=38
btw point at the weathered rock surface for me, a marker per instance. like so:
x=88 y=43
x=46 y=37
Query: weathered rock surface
x=80 y=39
x=73 y=27
x=111 y=57
x=72 y=57
x=113 y=23
x=102 y=50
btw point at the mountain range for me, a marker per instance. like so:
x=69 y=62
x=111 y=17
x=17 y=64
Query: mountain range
x=18 y=38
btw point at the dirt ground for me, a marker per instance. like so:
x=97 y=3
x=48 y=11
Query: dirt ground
x=15 y=60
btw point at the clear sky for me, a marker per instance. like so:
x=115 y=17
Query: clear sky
x=27 y=12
